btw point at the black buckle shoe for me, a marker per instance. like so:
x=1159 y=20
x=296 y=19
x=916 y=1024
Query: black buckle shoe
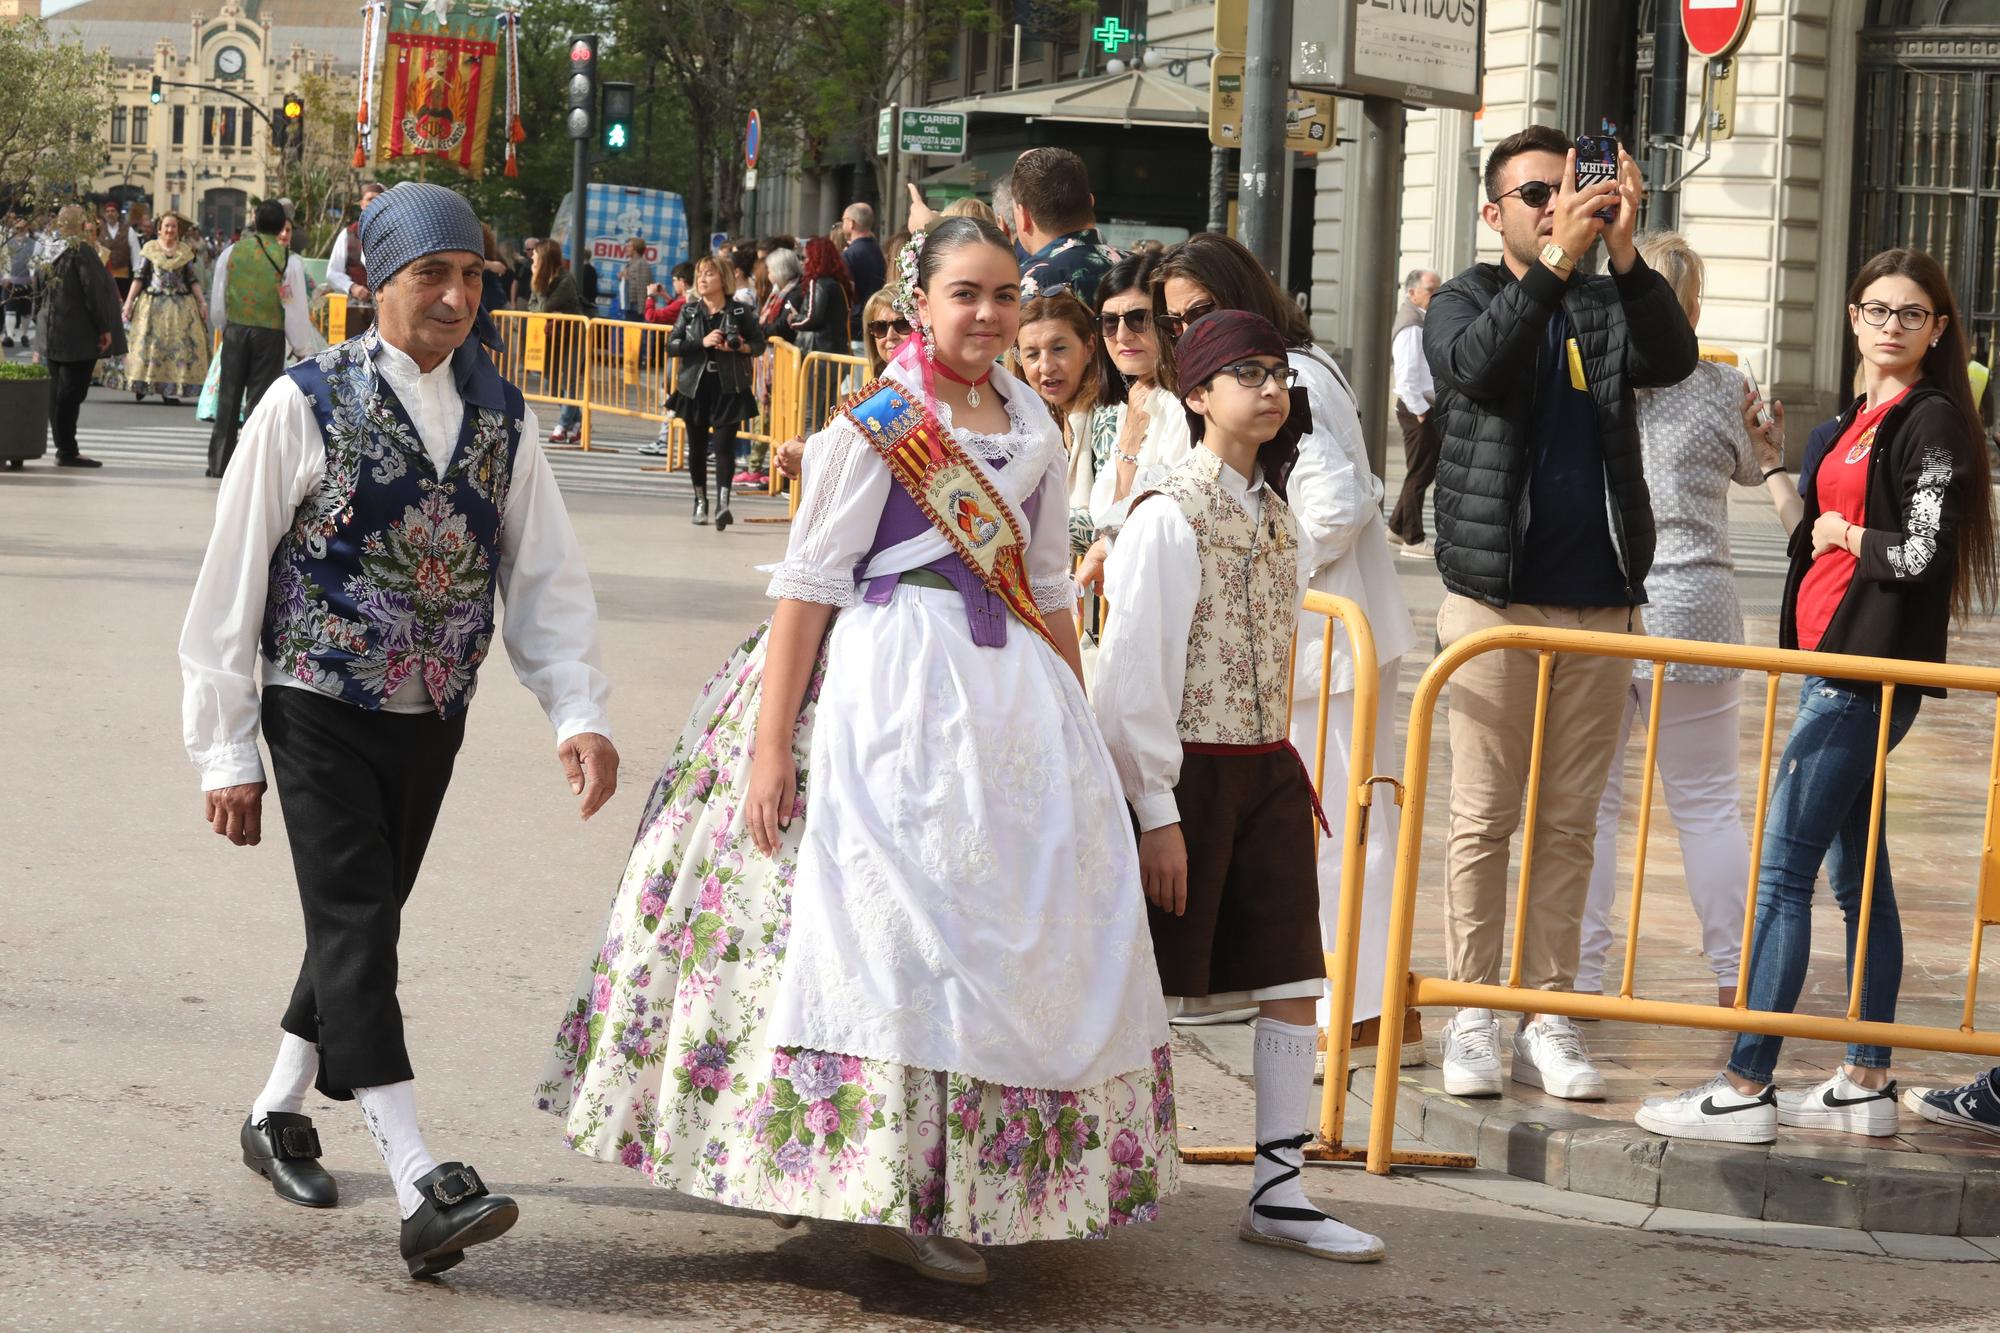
x=284 y=1149
x=456 y=1212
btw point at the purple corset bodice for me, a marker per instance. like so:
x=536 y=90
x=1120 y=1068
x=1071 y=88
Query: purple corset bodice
x=902 y=520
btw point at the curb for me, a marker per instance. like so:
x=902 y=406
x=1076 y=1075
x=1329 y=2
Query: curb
x=1796 y=1180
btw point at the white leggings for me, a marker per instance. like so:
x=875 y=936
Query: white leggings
x=1698 y=767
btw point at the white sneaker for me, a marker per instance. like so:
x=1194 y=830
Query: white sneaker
x=1841 y=1103
x=655 y=447
x=1549 y=1054
x=1472 y=1054
x=1714 y=1111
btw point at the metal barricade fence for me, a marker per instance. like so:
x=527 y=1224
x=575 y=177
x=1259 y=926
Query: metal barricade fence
x=547 y=358
x=1403 y=989
x=823 y=379
x=1340 y=614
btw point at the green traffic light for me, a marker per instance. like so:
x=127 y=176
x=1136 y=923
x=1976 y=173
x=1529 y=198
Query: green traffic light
x=614 y=136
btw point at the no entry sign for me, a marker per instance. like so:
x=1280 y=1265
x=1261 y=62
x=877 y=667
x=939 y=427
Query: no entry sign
x=1715 y=27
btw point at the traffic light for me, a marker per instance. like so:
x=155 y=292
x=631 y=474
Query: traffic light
x=618 y=100
x=156 y=90
x=292 y=126
x=582 y=86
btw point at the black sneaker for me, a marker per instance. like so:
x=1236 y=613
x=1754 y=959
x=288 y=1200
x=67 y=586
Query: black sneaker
x=1974 y=1106
x=76 y=460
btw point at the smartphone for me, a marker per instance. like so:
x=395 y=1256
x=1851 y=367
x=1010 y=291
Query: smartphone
x=1596 y=160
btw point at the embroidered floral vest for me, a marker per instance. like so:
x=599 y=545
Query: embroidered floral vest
x=388 y=571
x=1240 y=644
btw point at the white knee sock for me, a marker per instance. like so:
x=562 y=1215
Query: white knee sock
x=391 y=1113
x=1283 y=1066
x=291 y=1079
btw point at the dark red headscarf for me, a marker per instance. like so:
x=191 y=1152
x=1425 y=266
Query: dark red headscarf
x=1223 y=338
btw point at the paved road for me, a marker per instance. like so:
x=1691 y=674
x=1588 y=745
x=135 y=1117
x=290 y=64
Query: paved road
x=143 y=963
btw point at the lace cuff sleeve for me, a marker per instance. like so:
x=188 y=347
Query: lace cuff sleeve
x=801 y=584
x=1054 y=594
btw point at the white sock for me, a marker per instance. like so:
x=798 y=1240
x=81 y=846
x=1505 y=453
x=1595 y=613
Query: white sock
x=391 y=1114
x=1283 y=1066
x=292 y=1077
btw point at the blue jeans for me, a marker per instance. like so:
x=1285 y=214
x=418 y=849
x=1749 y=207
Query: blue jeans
x=1819 y=812
x=571 y=418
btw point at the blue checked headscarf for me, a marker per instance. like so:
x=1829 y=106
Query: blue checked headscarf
x=415 y=219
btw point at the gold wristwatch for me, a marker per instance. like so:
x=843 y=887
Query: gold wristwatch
x=1558 y=259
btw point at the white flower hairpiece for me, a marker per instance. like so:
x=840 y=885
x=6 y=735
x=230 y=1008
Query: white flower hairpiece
x=905 y=298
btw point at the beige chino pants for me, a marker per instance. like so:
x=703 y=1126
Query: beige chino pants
x=1492 y=727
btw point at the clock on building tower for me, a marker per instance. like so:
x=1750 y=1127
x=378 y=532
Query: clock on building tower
x=229 y=62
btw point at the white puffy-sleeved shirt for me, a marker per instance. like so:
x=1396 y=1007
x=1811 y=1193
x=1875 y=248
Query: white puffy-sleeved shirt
x=1164 y=447
x=1153 y=580
x=549 y=617
x=1337 y=499
x=847 y=484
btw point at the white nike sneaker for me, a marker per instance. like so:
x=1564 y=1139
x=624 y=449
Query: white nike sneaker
x=1472 y=1054
x=1841 y=1103
x=1548 y=1054
x=1714 y=1111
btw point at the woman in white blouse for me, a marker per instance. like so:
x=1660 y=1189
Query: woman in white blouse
x=1695 y=446
x=1337 y=500
x=1140 y=425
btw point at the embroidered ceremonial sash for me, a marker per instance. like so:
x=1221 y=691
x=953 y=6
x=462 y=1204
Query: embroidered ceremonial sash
x=952 y=490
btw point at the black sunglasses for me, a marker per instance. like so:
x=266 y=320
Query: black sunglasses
x=1136 y=320
x=878 y=327
x=1535 y=194
x=1176 y=325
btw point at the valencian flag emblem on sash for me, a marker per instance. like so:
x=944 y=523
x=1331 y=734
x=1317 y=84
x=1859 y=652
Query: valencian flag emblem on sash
x=444 y=59
x=953 y=491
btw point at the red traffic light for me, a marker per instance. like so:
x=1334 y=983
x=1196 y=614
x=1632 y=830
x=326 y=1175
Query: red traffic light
x=580 y=52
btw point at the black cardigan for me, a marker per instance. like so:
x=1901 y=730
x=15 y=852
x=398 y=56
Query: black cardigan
x=1899 y=604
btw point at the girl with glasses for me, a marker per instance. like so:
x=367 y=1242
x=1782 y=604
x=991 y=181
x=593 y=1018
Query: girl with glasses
x=1337 y=500
x=1895 y=542
x=1138 y=433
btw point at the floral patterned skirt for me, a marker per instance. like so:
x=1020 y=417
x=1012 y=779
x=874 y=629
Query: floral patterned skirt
x=662 y=1060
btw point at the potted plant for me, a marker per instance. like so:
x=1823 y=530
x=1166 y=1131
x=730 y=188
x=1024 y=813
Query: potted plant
x=24 y=412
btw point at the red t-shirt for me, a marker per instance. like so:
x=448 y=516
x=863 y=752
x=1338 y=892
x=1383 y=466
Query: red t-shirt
x=1841 y=485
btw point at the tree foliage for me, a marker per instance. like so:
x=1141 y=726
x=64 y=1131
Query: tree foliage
x=53 y=97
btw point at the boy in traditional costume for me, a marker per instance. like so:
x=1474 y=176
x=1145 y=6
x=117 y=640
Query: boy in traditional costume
x=1206 y=581
x=931 y=1005
x=384 y=495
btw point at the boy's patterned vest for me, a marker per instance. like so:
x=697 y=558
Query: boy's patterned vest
x=389 y=570
x=250 y=288
x=1240 y=643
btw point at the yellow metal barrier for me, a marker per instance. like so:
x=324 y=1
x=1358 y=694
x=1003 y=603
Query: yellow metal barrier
x=1341 y=613
x=1403 y=988
x=822 y=380
x=547 y=358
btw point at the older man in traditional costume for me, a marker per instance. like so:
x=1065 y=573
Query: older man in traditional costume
x=383 y=493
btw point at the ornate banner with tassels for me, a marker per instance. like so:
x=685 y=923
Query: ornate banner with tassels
x=444 y=58
x=510 y=24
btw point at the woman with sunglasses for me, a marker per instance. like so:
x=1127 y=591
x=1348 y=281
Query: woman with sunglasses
x=1059 y=359
x=883 y=331
x=1896 y=540
x=1337 y=499
x=1138 y=433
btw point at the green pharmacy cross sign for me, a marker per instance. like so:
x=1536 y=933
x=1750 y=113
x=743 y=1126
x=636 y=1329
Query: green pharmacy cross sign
x=1111 y=34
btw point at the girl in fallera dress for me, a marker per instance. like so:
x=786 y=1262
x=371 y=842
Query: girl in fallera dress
x=926 y=999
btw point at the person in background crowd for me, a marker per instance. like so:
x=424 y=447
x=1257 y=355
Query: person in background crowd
x=634 y=279
x=346 y=271
x=139 y=218
x=894 y=250
x=786 y=296
x=586 y=286
x=1410 y=375
x=1694 y=442
x=168 y=321
x=114 y=235
x=1894 y=543
x=883 y=329
x=80 y=323
x=970 y=206
x=524 y=271
x=108 y=371
x=17 y=281
x=1055 y=218
x=1003 y=210
x=717 y=339
x=1190 y=691
x=665 y=308
x=258 y=300
x=1140 y=429
x=1543 y=520
x=347 y=598
x=1337 y=500
x=821 y=324
x=1061 y=361
x=863 y=258
x=553 y=291
x=743 y=275
x=494 y=274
